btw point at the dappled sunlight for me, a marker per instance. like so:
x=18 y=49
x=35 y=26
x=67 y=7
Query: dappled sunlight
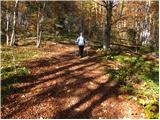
x=89 y=103
x=80 y=59
x=92 y=86
x=70 y=86
x=77 y=84
x=69 y=101
x=65 y=78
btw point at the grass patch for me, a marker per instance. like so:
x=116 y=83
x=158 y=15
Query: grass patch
x=21 y=54
x=8 y=75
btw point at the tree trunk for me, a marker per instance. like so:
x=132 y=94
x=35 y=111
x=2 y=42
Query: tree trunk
x=14 y=58
x=40 y=18
x=14 y=24
x=70 y=22
x=103 y=22
x=89 y=22
x=39 y=32
x=38 y=28
x=82 y=21
x=69 y=28
x=95 y=23
x=7 y=26
x=107 y=34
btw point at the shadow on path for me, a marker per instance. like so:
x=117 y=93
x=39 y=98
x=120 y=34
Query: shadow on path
x=60 y=79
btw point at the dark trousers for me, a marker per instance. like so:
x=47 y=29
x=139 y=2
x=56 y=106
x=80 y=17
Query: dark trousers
x=81 y=49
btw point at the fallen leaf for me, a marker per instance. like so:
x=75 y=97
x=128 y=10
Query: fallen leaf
x=103 y=104
x=68 y=90
x=112 y=105
x=77 y=109
x=104 y=110
x=22 y=96
x=91 y=83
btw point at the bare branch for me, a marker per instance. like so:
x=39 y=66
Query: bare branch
x=114 y=5
x=105 y=2
x=99 y=3
x=120 y=18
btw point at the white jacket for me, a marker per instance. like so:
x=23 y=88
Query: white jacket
x=81 y=41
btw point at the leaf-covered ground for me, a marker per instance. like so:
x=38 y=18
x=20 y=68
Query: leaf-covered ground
x=62 y=85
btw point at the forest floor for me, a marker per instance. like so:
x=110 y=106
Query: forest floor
x=62 y=85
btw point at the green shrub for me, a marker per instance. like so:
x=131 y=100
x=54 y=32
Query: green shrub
x=135 y=70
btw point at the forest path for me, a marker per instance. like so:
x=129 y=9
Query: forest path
x=62 y=85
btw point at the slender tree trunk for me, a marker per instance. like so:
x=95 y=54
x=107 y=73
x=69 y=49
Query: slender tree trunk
x=14 y=24
x=69 y=25
x=7 y=26
x=82 y=21
x=26 y=33
x=89 y=22
x=107 y=34
x=38 y=28
x=39 y=32
x=13 y=36
x=103 y=22
x=39 y=25
x=14 y=58
x=70 y=22
x=149 y=21
x=95 y=24
x=69 y=28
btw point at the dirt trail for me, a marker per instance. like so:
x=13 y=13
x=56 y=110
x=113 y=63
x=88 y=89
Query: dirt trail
x=62 y=85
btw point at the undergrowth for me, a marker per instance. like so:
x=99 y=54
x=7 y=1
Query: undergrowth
x=138 y=77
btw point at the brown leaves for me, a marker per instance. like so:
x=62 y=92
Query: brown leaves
x=71 y=85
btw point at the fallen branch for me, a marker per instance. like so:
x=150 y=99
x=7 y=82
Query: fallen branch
x=125 y=45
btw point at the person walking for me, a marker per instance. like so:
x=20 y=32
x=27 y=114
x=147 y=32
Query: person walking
x=81 y=41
